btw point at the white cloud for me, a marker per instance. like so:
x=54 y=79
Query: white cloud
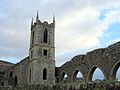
x=86 y=28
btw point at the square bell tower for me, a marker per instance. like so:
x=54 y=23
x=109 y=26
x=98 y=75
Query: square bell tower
x=42 y=53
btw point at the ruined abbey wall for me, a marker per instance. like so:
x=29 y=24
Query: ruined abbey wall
x=106 y=59
x=20 y=71
x=38 y=71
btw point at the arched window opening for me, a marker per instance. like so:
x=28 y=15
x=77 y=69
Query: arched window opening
x=115 y=75
x=15 y=81
x=32 y=37
x=10 y=82
x=96 y=75
x=118 y=74
x=45 y=37
x=77 y=76
x=11 y=74
x=64 y=78
x=44 y=74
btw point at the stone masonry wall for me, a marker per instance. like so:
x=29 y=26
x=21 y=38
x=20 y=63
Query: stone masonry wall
x=19 y=70
x=70 y=86
x=106 y=59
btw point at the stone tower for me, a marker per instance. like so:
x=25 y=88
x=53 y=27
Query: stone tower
x=42 y=53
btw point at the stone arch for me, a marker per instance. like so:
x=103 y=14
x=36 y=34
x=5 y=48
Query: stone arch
x=114 y=70
x=10 y=74
x=44 y=74
x=63 y=75
x=45 y=36
x=15 y=81
x=74 y=75
x=91 y=72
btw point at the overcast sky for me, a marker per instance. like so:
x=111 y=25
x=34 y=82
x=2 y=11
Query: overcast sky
x=81 y=26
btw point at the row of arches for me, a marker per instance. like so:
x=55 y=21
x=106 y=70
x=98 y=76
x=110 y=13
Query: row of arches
x=95 y=73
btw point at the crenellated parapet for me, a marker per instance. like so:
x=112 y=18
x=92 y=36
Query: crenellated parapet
x=42 y=52
x=40 y=23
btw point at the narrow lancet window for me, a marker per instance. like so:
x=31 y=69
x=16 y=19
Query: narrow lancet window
x=15 y=81
x=45 y=37
x=32 y=38
x=30 y=76
x=44 y=74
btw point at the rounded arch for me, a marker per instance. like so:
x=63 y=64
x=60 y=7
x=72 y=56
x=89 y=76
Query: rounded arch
x=75 y=74
x=45 y=36
x=15 y=81
x=92 y=70
x=44 y=74
x=63 y=76
x=10 y=74
x=114 y=70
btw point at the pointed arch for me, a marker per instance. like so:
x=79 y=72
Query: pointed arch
x=91 y=72
x=114 y=70
x=10 y=74
x=77 y=75
x=44 y=74
x=64 y=76
x=118 y=74
x=45 y=36
x=15 y=81
x=11 y=79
